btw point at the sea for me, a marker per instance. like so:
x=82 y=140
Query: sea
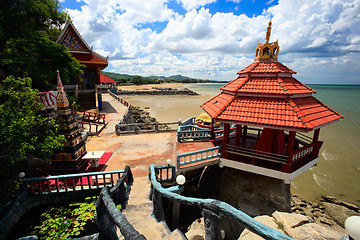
x=338 y=170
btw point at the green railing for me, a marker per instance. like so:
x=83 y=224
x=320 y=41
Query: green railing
x=197 y=157
x=193 y=133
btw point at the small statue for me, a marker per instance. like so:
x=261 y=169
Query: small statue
x=268 y=32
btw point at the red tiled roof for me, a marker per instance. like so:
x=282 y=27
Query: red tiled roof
x=217 y=104
x=304 y=113
x=267 y=85
x=266 y=67
x=89 y=58
x=106 y=79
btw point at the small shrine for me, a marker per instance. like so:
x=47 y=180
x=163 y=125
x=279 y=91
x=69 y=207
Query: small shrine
x=271 y=120
x=69 y=159
x=94 y=62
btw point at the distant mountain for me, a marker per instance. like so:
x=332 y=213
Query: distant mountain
x=127 y=76
x=153 y=79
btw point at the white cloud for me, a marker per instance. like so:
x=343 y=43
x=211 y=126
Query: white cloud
x=200 y=44
x=194 y=4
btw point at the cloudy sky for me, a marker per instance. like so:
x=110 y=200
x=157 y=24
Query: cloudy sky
x=214 y=39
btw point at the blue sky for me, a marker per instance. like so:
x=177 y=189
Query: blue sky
x=211 y=39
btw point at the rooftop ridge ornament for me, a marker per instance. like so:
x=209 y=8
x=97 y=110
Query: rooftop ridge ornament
x=268 y=33
x=267 y=51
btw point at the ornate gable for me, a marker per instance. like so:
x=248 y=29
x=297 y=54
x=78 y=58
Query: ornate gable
x=72 y=39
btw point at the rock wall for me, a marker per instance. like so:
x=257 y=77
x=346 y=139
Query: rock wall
x=252 y=193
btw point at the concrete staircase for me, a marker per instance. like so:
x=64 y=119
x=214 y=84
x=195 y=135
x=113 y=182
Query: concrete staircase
x=138 y=212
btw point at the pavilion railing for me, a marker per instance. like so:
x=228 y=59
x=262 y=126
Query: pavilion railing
x=197 y=157
x=212 y=210
x=193 y=133
x=72 y=182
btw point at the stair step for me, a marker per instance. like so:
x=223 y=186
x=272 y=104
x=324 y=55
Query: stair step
x=156 y=231
x=175 y=235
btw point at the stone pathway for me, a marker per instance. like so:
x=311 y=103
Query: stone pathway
x=138 y=212
x=139 y=152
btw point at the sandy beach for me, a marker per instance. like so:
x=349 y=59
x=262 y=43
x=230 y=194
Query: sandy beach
x=172 y=107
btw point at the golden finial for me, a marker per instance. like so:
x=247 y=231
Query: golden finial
x=268 y=32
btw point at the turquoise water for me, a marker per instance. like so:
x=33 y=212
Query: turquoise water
x=338 y=170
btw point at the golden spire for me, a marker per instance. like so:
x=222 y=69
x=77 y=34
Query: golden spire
x=268 y=32
x=267 y=50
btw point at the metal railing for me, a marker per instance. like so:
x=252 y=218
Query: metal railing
x=72 y=182
x=197 y=157
x=212 y=210
x=122 y=101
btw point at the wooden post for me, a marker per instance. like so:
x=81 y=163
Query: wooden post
x=290 y=143
x=245 y=133
x=316 y=135
x=238 y=135
x=226 y=138
x=289 y=149
x=175 y=214
x=212 y=130
x=212 y=225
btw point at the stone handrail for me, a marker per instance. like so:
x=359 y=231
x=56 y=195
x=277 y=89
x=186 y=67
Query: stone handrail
x=212 y=210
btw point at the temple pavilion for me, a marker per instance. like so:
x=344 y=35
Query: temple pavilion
x=88 y=96
x=271 y=120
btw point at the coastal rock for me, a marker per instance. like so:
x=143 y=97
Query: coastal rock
x=297 y=226
x=268 y=221
x=339 y=213
x=291 y=220
x=196 y=231
x=313 y=231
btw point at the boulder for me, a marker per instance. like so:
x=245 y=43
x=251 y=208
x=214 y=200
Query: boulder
x=339 y=213
x=268 y=221
x=313 y=231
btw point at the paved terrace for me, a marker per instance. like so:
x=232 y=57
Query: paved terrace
x=137 y=151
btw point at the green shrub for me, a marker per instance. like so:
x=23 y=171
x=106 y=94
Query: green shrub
x=66 y=221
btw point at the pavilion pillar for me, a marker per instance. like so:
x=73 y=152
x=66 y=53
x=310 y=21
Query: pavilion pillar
x=245 y=133
x=226 y=138
x=290 y=142
x=289 y=149
x=316 y=135
x=212 y=132
x=238 y=135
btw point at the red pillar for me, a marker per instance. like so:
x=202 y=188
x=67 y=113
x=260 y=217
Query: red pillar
x=238 y=135
x=212 y=132
x=316 y=135
x=289 y=150
x=290 y=143
x=226 y=138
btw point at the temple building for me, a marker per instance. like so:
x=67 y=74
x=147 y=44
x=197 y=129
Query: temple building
x=271 y=120
x=68 y=159
x=84 y=85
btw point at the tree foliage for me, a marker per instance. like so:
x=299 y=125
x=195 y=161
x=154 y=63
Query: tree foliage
x=28 y=31
x=23 y=131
